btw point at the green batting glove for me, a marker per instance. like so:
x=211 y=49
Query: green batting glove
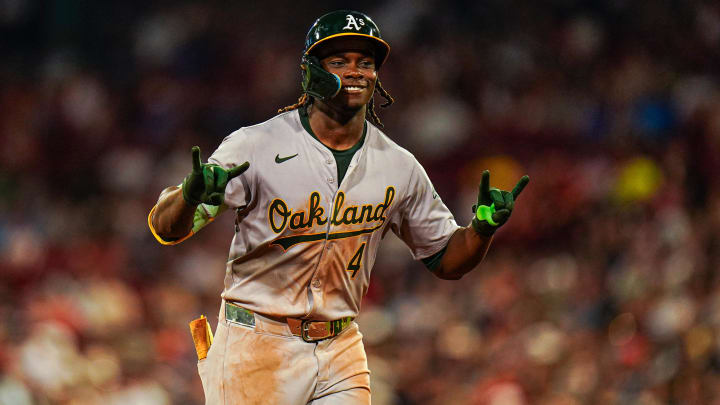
x=206 y=183
x=494 y=206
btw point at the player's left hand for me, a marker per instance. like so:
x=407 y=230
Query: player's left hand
x=494 y=206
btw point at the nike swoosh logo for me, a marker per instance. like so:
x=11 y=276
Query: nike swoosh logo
x=278 y=159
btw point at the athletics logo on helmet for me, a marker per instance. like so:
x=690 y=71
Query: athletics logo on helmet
x=353 y=23
x=346 y=23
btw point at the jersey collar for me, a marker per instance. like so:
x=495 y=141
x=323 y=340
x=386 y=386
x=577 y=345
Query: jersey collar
x=305 y=121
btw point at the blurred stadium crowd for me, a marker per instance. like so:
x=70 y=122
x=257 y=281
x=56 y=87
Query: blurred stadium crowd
x=603 y=289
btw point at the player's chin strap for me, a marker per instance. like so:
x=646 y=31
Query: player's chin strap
x=317 y=81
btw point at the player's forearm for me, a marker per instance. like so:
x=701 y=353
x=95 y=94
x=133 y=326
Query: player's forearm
x=465 y=250
x=173 y=217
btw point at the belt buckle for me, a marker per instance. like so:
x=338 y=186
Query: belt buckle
x=305 y=330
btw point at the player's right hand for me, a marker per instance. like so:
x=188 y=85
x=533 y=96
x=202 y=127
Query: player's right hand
x=206 y=183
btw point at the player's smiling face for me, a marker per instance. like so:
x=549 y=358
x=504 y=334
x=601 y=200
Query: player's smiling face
x=353 y=60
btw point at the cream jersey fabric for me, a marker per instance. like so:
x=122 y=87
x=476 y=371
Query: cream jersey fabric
x=304 y=245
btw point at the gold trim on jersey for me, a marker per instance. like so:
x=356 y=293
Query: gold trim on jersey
x=204 y=214
x=157 y=237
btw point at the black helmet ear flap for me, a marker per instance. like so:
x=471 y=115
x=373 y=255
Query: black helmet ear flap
x=317 y=81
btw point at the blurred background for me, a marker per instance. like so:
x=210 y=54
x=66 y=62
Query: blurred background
x=602 y=289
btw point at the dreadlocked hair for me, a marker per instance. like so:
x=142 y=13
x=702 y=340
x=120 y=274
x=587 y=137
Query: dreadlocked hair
x=370 y=113
x=303 y=100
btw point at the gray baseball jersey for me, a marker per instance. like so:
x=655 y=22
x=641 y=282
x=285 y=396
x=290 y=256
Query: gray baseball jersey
x=304 y=245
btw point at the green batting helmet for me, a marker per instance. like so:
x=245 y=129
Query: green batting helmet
x=347 y=23
x=317 y=81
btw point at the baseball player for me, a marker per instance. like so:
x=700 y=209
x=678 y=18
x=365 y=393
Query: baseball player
x=314 y=190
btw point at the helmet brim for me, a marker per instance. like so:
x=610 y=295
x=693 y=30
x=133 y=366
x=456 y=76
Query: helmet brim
x=382 y=47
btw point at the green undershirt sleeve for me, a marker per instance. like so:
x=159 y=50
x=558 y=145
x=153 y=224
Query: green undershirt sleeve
x=432 y=262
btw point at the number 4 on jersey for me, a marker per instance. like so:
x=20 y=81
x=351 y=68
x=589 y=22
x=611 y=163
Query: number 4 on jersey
x=356 y=261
